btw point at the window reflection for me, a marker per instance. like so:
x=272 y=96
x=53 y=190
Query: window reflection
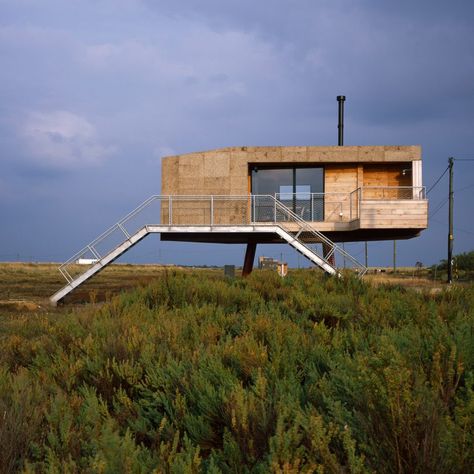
x=299 y=188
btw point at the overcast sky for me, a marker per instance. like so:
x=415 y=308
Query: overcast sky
x=94 y=92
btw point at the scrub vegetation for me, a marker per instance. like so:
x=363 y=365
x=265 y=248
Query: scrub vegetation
x=197 y=373
x=463 y=266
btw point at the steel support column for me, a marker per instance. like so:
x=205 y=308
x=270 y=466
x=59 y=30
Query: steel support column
x=249 y=258
x=327 y=251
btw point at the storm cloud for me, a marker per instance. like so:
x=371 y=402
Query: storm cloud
x=94 y=93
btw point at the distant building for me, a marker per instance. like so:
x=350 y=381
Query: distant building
x=267 y=263
x=86 y=261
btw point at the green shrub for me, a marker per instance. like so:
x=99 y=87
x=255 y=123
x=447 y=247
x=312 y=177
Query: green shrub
x=197 y=373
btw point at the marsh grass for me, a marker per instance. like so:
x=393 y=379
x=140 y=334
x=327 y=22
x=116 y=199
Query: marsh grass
x=197 y=373
x=36 y=282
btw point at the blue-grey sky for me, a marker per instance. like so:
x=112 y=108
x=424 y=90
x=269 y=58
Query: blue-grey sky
x=94 y=92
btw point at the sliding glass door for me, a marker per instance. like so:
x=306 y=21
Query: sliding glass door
x=300 y=188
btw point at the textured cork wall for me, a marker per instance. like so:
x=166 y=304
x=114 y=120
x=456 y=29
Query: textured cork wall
x=226 y=171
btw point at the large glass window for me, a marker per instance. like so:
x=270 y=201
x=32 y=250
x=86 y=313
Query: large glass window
x=298 y=187
x=269 y=180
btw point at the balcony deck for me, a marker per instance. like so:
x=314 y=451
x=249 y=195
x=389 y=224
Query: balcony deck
x=370 y=213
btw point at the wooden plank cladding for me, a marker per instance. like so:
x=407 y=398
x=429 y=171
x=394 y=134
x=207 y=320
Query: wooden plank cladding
x=339 y=181
x=398 y=214
x=340 y=178
x=387 y=181
x=387 y=174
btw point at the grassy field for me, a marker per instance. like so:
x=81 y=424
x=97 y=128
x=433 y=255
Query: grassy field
x=27 y=286
x=185 y=371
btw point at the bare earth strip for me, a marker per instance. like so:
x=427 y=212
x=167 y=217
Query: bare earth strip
x=28 y=286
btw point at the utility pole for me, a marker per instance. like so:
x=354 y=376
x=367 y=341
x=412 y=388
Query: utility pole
x=451 y=209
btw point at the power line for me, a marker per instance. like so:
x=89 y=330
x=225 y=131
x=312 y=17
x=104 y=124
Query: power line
x=465 y=187
x=464 y=230
x=438 y=180
x=438 y=208
x=464 y=159
x=455 y=228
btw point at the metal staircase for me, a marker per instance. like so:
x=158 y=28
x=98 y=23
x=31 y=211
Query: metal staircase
x=305 y=237
x=168 y=214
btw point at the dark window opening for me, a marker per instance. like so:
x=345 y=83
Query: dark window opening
x=300 y=188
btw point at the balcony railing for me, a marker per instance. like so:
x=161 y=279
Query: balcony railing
x=389 y=193
x=198 y=214
x=245 y=210
x=344 y=207
x=318 y=207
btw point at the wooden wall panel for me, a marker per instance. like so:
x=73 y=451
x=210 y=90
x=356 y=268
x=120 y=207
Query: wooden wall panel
x=339 y=181
x=340 y=178
x=394 y=214
x=387 y=174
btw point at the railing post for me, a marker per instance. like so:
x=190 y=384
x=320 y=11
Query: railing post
x=212 y=210
x=254 y=217
x=122 y=228
x=170 y=210
x=274 y=209
x=358 y=202
x=94 y=252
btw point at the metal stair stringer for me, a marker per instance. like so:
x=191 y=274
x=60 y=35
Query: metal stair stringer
x=126 y=245
x=307 y=252
x=292 y=237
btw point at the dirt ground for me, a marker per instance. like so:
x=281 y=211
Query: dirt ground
x=28 y=286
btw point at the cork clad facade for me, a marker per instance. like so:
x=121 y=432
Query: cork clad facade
x=348 y=192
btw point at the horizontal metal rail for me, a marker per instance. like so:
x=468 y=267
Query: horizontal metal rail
x=283 y=213
x=195 y=211
x=334 y=248
x=397 y=193
x=319 y=207
x=354 y=198
x=216 y=210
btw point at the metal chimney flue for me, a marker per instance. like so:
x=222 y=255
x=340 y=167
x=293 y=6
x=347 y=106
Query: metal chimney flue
x=340 y=125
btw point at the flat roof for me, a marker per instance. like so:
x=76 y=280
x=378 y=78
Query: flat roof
x=359 y=153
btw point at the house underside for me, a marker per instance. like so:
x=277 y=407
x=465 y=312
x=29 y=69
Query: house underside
x=356 y=235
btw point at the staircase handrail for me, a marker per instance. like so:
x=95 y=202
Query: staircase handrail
x=277 y=204
x=111 y=229
x=133 y=213
x=308 y=228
